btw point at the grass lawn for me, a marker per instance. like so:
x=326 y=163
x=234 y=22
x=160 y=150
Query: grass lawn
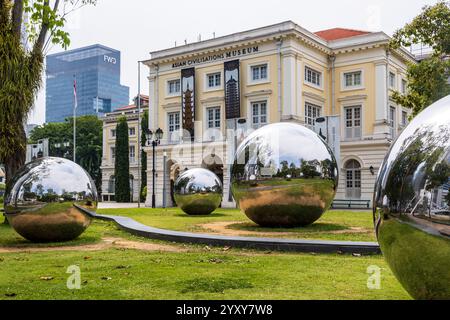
x=333 y=225
x=195 y=273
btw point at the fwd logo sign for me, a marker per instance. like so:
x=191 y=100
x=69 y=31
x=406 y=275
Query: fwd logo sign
x=109 y=59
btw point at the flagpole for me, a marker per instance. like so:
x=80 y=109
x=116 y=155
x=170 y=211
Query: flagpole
x=139 y=133
x=74 y=119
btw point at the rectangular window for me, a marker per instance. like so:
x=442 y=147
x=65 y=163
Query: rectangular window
x=174 y=126
x=392 y=121
x=132 y=154
x=259 y=114
x=132 y=131
x=312 y=76
x=259 y=73
x=353 y=122
x=392 y=80
x=312 y=112
x=174 y=87
x=353 y=79
x=113 y=133
x=213 y=117
x=214 y=80
x=404 y=118
x=113 y=153
x=213 y=123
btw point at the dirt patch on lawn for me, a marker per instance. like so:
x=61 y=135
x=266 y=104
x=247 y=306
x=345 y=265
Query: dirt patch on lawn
x=223 y=228
x=106 y=243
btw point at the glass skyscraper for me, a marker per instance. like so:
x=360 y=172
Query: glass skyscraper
x=97 y=72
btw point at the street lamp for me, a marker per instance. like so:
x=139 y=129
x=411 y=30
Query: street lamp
x=154 y=139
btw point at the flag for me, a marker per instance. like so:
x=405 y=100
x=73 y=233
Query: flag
x=75 y=93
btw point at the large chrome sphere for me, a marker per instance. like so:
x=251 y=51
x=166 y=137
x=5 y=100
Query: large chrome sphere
x=198 y=192
x=284 y=175
x=412 y=204
x=41 y=204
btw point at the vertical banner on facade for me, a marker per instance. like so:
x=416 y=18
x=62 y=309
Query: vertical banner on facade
x=188 y=101
x=232 y=90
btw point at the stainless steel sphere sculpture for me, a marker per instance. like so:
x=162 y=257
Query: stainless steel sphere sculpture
x=198 y=192
x=284 y=175
x=412 y=204
x=41 y=203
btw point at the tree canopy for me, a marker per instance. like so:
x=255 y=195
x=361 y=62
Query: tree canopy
x=21 y=65
x=428 y=81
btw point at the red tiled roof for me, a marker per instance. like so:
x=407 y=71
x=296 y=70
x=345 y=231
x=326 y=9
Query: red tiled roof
x=339 y=33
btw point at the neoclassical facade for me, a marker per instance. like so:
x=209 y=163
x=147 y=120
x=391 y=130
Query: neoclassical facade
x=207 y=96
x=110 y=121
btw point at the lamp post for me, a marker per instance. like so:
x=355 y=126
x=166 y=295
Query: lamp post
x=154 y=139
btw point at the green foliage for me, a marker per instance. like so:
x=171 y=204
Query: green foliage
x=2 y=187
x=431 y=28
x=122 y=162
x=144 y=127
x=144 y=194
x=427 y=80
x=21 y=69
x=89 y=142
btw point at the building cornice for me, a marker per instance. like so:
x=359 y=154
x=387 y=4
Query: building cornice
x=287 y=30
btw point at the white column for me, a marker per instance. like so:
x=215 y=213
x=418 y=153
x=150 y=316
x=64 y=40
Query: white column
x=289 y=77
x=153 y=102
x=381 y=98
x=299 y=88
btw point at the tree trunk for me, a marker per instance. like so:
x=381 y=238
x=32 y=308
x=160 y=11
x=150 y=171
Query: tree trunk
x=14 y=163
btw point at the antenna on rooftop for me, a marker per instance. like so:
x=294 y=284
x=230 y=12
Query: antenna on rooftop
x=214 y=35
x=175 y=43
x=185 y=41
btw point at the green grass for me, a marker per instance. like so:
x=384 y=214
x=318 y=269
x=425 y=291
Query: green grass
x=323 y=229
x=199 y=273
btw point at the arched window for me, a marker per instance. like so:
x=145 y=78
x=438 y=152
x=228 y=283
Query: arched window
x=112 y=184
x=353 y=179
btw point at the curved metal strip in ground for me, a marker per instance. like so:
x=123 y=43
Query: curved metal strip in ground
x=310 y=246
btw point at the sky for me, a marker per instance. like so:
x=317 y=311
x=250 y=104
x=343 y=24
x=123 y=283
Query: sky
x=137 y=27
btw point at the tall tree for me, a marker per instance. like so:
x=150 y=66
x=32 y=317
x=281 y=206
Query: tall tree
x=144 y=127
x=21 y=66
x=428 y=81
x=122 y=162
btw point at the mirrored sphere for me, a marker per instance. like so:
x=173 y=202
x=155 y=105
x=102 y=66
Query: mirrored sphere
x=41 y=203
x=198 y=192
x=412 y=204
x=284 y=175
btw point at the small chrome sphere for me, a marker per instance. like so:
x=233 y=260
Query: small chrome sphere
x=41 y=205
x=284 y=175
x=198 y=192
x=412 y=204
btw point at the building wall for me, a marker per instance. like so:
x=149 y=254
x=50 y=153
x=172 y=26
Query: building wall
x=286 y=92
x=109 y=141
